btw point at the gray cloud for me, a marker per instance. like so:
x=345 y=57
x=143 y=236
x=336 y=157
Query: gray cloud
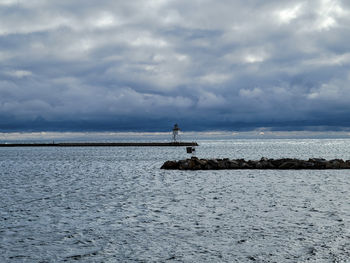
x=206 y=64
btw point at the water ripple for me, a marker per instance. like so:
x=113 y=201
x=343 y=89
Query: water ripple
x=116 y=205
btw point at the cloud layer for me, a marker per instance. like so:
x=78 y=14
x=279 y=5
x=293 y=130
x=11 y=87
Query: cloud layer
x=143 y=65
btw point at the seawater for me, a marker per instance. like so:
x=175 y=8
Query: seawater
x=114 y=204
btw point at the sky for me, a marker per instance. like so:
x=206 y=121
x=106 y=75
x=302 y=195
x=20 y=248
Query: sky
x=144 y=65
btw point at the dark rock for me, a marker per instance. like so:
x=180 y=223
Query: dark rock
x=233 y=164
x=335 y=164
x=346 y=164
x=264 y=163
x=170 y=165
x=277 y=162
x=252 y=164
x=245 y=166
x=221 y=164
x=183 y=165
x=191 y=164
x=317 y=160
x=289 y=165
x=213 y=164
x=306 y=165
x=264 y=159
x=260 y=165
x=202 y=163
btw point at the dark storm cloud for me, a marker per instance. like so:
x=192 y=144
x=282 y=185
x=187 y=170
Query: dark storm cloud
x=118 y=65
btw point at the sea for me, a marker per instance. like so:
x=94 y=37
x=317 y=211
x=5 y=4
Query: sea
x=115 y=204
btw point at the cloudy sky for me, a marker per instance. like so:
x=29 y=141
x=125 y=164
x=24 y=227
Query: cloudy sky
x=144 y=65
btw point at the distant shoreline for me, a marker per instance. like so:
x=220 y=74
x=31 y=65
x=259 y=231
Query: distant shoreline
x=100 y=144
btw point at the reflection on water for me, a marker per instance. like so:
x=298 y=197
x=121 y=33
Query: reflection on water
x=116 y=205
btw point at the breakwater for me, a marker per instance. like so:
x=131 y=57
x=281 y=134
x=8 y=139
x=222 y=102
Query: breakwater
x=264 y=163
x=100 y=144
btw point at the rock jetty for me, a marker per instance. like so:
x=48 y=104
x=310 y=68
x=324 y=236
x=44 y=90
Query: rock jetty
x=264 y=163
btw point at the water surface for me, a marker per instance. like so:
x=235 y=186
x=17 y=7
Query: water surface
x=110 y=204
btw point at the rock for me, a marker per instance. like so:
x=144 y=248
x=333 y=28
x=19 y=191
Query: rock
x=222 y=164
x=183 y=165
x=264 y=163
x=289 y=165
x=202 y=163
x=264 y=159
x=233 y=164
x=335 y=164
x=347 y=164
x=170 y=165
x=252 y=164
x=306 y=165
x=319 y=163
x=245 y=166
x=191 y=164
x=213 y=164
x=277 y=162
x=259 y=165
x=317 y=160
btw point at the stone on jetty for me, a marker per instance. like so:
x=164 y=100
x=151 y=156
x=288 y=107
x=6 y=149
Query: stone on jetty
x=264 y=163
